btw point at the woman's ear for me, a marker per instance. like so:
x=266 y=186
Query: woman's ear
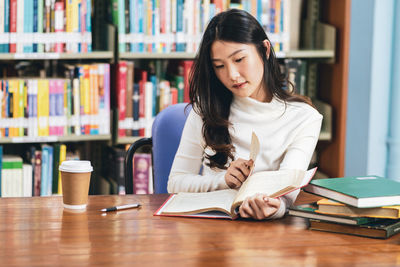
x=267 y=45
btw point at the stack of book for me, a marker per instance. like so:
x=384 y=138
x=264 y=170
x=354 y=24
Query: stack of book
x=364 y=206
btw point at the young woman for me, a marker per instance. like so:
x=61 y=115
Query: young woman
x=236 y=87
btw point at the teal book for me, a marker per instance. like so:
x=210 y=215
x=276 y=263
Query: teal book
x=308 y=211
x=382 y=229
x=360 y=192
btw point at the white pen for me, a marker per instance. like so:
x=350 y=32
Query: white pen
x=123 y=207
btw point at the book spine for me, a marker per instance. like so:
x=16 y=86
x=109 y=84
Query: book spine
x=35 y=24
x=37 y=173
x=121 y=96
x=27 y=180
x=63 y=154
x=13 y=23
x=76 y=120
x=135 y=104
x=43 y=107
x=107 y=99
x=56 y=163
x=148 y=116
x=50 y=171
x=59 y=25
x=35 y=125
x=141 y=173
x=40 y=46
x=45 y=172
x=60 y=118
x=129 y=95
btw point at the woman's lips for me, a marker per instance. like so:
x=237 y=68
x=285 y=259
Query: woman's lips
x=239 y=85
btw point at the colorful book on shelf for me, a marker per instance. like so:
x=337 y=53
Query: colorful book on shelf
x=327 y=206
x=382 y=229
x=43 y=107
x=309 y=211
x=361 y=192
x=27 y=180
x=37 y=173
x=11 y=176
x=63 y=154
x=121 y=96
x=225 y=203
x=129 y=96
x=141 y=173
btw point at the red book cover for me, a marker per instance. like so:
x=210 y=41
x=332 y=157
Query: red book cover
x=13 y=23
x=142 y=98
x=121 y=96
x=141 y=173
x=174 y=96
x=187 y=65
x=59 y=24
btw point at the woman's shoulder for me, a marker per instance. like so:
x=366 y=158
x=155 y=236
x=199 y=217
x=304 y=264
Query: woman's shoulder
x=303 y=109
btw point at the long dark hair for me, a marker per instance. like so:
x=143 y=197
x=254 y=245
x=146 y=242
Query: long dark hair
x=210 y=98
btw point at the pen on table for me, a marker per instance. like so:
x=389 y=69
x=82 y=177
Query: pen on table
x=123 y=207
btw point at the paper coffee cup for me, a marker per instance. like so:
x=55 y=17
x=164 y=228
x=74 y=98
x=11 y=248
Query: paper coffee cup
x=75 y=179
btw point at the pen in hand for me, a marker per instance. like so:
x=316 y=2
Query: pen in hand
x=123 y=207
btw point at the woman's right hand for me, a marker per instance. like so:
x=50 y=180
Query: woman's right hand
x=237 y=172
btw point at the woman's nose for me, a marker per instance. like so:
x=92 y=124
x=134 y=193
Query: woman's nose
x=233 y=73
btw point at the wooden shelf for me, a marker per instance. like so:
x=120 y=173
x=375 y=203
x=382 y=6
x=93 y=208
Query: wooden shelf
x=53 y=139
x=127 y=140
x=44 y=56
x=172 y=55
x=325 y=54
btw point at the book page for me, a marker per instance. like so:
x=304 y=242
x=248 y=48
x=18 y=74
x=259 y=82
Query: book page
x=271 y=183
x=192 y=203
x=254 y=149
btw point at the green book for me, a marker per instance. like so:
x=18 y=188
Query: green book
x=360 y=192
x=382 y=229
x=308 y=211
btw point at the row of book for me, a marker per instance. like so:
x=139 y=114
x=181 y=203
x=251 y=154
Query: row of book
x=35 y=175
x=111 y=174
x=76 y=105
x=142 y=93
x=365 y=206
x=164 y=26
x=45 y=26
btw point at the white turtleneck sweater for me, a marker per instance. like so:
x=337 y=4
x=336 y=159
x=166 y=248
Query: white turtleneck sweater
x=287 y=134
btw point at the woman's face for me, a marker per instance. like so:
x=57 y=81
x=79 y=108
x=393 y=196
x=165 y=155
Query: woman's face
x=240 y=68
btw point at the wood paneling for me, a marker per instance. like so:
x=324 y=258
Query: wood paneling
x=333 y=86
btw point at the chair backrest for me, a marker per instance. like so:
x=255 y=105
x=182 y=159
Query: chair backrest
x=166 y=135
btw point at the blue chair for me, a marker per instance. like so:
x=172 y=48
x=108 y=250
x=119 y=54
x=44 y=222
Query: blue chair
x=166 y=135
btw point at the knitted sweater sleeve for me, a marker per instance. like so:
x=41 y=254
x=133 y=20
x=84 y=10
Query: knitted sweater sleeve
x=184 y=176
x=298 y=156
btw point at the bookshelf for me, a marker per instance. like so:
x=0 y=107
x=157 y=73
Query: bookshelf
x=61 y=56
x=310 y=54
x=54 y=139
x=333 y=80
x=332 y=86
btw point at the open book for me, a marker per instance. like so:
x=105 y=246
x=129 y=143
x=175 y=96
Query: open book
x=225 y=203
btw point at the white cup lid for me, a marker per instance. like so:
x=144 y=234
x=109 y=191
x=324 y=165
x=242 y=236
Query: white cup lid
x=76 y=166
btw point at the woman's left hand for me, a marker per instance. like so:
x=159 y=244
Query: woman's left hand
x=259 y=207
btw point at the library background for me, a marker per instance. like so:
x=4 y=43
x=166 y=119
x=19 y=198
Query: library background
x=83 y=79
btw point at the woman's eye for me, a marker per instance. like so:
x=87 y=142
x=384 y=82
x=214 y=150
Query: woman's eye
x=240 y=59
x=219 y=66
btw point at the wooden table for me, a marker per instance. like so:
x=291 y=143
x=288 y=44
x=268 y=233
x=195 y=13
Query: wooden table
x=39 y=232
